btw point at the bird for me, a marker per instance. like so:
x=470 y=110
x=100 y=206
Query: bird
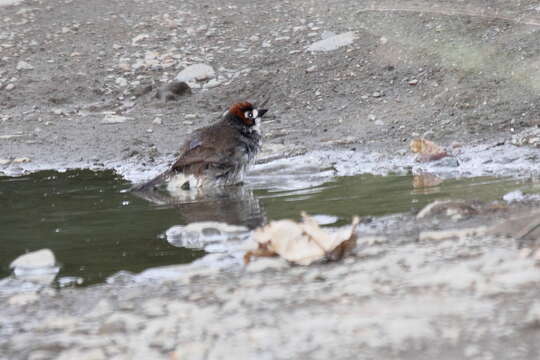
x=216 y=155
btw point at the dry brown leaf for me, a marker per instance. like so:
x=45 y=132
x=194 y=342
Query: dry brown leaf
x=427 y=150
x=426 y=180
x=303 y=243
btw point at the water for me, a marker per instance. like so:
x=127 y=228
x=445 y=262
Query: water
x=95 y=229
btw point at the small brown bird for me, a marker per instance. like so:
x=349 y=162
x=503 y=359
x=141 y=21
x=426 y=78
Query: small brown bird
x=216 y=155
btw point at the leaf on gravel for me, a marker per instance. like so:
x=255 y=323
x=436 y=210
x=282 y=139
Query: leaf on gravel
x=427 y=150
x=302 y=243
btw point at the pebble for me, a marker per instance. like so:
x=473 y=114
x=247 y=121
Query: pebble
x=379 y=123
x=377 y=94
x=311 y=69
x=371 y=117
x=413 y=82
x=198 y=72
x=149 y=131
x=35 y=259
x=157 y=121
x=333 y=42
x=122 y=82
x=10 y=87
x=114 y=119
x=187 y=122
x=23 y=65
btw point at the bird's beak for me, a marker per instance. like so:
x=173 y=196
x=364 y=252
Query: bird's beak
x=261 y=112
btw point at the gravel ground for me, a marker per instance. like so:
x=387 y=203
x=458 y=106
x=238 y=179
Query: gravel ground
x=84 y=83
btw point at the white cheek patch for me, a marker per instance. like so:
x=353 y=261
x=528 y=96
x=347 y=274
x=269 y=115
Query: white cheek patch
x=255 y=113
x=257 y=126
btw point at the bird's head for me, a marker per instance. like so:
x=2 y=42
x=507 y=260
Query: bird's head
x=246 y=115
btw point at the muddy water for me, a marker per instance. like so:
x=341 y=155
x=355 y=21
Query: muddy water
x=96 y=229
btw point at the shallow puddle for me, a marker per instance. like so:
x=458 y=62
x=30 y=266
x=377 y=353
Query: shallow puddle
x=95 y=229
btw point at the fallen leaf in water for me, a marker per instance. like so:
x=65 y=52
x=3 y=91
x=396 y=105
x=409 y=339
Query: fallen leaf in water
x=426 y=180
x=427 y=150
x=302 y=243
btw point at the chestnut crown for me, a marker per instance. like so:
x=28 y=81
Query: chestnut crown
x=246 y=113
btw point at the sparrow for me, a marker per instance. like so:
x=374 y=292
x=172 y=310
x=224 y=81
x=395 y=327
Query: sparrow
x=216 y=155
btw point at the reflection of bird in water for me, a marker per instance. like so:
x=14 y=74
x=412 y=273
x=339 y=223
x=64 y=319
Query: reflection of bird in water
x=235 y=205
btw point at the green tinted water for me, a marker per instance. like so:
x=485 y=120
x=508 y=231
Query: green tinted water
x=95 y=229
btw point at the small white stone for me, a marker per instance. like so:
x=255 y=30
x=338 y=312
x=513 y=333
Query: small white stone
x=122 y=82
x=187 y=122
x=379 y=122
x=157 y=121
x=199 y=72
x=23 y=65
x=371 y=117
x=311 y=69
x=114 y=119
x=10 y=87
x=35 y=259
x=333 y=42
x=413 y=82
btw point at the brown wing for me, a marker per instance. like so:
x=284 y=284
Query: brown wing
x=210 y=148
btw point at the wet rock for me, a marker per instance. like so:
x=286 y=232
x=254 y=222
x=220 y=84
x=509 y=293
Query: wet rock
x=199 y=235
x=38 y=266
x=516 y=195
x=333 y=42
x=67 y=281
x=23 y=65
x=197 y=72
x=35 y=260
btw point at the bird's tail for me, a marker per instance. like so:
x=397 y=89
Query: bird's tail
x=152 y=184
